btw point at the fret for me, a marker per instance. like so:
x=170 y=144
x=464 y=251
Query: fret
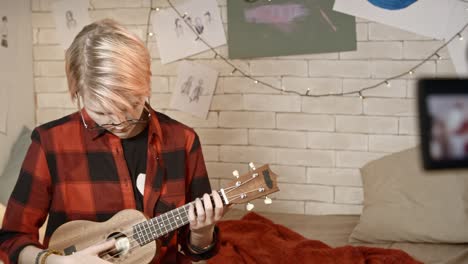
x=138 y=235
x=177 y=220
x=172 y=219
x=155 y=233
x=158 y=227
x=161 y=225
x=185 y=213
x=168 y=221
x=145 y=232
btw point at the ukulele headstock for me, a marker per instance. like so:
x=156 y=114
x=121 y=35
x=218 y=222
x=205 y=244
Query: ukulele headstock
x=257 y=183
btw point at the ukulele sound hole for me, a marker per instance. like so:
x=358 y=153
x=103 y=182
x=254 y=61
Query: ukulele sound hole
x=122 y=245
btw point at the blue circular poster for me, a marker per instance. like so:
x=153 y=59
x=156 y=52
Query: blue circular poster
x=392 y=4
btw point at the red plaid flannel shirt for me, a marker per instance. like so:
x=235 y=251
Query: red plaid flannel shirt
x=71 y=173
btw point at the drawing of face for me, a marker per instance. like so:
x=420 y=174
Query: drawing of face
x=207 y=16
x=198 y=21
x=200 y=82
x=4 y=19
x=69 y=15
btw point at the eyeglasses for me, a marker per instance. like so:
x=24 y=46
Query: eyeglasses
x=125 y=123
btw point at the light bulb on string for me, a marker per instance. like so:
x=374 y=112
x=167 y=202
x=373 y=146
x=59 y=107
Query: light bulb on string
x=434 y=56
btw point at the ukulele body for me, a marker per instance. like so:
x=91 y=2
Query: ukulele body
x=80 y=234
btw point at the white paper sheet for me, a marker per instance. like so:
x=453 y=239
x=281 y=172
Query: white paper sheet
x=425 y=17
x=8 y=53
x=176 y=40
x=8 y=35
x=194 y=89
x=3 y=108
x=458 y=49
x=70 y=17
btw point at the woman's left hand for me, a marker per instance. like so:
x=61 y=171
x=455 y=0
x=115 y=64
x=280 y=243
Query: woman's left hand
x=207 y=215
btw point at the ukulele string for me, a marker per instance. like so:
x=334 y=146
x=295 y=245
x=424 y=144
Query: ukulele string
x=132 y=240
x=129 y=235
x=109 y=256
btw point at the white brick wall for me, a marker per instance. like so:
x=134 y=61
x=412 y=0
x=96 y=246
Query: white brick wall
x=315 y=145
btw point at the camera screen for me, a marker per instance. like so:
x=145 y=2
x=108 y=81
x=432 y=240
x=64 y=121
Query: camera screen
x=449 y=126
x=443 y=110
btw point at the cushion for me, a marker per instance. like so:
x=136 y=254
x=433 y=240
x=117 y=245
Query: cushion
x=404 y=203
x=13 y=166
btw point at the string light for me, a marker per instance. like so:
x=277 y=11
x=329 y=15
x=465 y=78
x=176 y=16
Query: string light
x=307 y=93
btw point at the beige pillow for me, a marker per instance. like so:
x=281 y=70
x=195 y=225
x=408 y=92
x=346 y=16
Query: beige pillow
x=402 y=202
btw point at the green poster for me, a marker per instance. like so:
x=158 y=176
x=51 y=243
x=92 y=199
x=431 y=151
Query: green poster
x=262 y=28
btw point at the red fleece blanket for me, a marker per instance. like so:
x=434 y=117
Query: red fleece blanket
x=255 y=239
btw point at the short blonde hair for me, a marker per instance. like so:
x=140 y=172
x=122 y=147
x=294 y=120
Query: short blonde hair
x=108 y=63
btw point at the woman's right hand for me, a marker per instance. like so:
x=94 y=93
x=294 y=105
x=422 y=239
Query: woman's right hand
x=86 y=256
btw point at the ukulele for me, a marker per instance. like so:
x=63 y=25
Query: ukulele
x=136 y=237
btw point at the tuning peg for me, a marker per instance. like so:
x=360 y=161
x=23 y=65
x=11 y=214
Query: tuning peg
x=236 y=174
x=252 y=166
x=268 y=200
x=249 y=207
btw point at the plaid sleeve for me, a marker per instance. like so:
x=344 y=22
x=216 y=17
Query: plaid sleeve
x=28 y=205
x=199 y=184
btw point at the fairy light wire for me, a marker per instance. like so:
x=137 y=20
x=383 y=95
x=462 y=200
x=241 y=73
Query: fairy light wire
x=307 y=93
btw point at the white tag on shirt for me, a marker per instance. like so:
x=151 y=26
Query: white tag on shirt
x=140 y=183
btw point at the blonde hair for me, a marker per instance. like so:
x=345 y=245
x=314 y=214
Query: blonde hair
x=108 y=63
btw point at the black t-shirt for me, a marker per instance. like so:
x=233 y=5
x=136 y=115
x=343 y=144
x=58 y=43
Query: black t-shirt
x=135 y=151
